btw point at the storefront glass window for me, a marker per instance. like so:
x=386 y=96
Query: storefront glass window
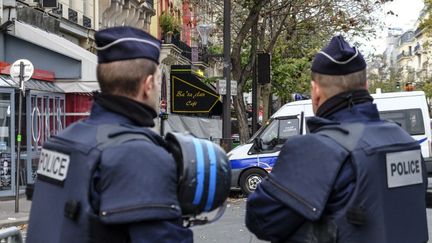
x=41 y=116
x=47 y=119
x=35 y=123
x=5 y=142
x=47 y=110
x=52 y=120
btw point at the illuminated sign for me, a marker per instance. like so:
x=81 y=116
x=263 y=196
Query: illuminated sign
x=190 y=95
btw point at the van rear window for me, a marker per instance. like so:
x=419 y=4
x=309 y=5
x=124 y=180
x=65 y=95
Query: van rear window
x=411 y=120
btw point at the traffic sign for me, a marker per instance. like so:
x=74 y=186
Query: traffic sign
x=221 y=85
x=20 y=71
x=15 y=70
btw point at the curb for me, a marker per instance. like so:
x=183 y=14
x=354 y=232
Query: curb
x=4 y=223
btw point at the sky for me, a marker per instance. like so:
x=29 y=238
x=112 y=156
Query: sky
x=406 y=13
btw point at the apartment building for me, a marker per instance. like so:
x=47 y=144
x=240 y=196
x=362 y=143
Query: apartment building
x=134 y=13
x=413 y=52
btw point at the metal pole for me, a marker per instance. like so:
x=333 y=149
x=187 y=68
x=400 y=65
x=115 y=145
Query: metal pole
x=162 y=125
x=255 y=81
x=21 y=78
x=226 y=119
x=254 y=98
x=270 y=106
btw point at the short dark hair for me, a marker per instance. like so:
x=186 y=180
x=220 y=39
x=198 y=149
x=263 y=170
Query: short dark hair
x=123 y=77
x=335 y=84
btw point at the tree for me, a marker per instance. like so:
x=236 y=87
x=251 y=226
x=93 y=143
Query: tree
x=290 y=75
x=427 y=88
x=390 y=84
x=292 y=31
x=426 y=23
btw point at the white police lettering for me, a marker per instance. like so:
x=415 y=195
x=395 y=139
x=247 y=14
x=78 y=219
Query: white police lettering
x=53 y=165
x=404 y=168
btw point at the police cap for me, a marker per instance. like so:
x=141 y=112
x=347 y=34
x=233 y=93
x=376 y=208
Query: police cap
x=124 y=43
x=338 y=58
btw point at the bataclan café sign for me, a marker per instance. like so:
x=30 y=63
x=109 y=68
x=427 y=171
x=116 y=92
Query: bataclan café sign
x=189 y=94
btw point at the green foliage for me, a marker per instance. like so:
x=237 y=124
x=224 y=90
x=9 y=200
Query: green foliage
x=290 y=75
x=385 y=86
x=292 y=32
x=215 y=49
x=211 y=80
x=426 y=23
x=391 y=84
x=168 y=23
x=427 y=88
x=291 y=62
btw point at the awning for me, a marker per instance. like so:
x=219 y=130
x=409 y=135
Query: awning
x=31 y=84
x=78 y=86
x=198 y=126
x=65 y=47
x=189 y=95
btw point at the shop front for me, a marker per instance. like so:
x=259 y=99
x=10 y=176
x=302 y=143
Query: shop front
x=45 y=103
x=195 y=106
x=43 y=115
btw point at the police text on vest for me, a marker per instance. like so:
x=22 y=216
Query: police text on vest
x=404 y=168
x=53 y=165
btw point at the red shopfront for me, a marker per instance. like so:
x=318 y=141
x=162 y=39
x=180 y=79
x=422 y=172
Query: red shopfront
x=78 y=106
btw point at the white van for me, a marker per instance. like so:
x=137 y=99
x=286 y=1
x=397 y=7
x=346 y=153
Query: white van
x=252 y=161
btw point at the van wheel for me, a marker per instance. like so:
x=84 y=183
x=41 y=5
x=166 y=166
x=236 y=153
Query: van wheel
x=250 y=179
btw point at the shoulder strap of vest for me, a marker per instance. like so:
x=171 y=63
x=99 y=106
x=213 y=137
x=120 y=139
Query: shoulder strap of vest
x=109 y=135
x=347 y=135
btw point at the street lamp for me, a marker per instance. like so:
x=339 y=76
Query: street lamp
x=226 y=118
x=204 y=31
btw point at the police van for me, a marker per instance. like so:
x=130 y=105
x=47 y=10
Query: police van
x=252 y=161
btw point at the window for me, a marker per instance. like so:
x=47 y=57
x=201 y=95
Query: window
x=288 y=128
x=280 y=129
x=271 y=132
x=411 y=120
x=47 y=118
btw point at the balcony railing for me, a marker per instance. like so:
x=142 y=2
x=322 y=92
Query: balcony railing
x=203 y=57
x=86 y=22
x=185 y=48
x=73 y=15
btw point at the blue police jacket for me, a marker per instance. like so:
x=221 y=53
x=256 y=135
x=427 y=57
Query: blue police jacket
x=323 y=190
x=121 y=193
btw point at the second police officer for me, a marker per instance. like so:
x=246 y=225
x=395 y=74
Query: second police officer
x=354 y=178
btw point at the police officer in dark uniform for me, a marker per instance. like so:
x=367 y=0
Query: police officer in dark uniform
x=354 y=178
x=110 y=178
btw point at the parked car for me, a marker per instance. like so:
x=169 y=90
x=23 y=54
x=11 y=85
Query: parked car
x=252 y=161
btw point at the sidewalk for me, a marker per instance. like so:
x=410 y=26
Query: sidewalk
x=8 y=217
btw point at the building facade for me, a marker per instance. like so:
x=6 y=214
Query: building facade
x=132 y=13
x=408 y=54
x=57 y=38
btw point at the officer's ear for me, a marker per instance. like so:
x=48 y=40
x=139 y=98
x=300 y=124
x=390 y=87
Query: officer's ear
x=147 y=85
x=316 y=95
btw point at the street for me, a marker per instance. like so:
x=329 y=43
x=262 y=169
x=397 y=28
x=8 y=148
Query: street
x=231 y=227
